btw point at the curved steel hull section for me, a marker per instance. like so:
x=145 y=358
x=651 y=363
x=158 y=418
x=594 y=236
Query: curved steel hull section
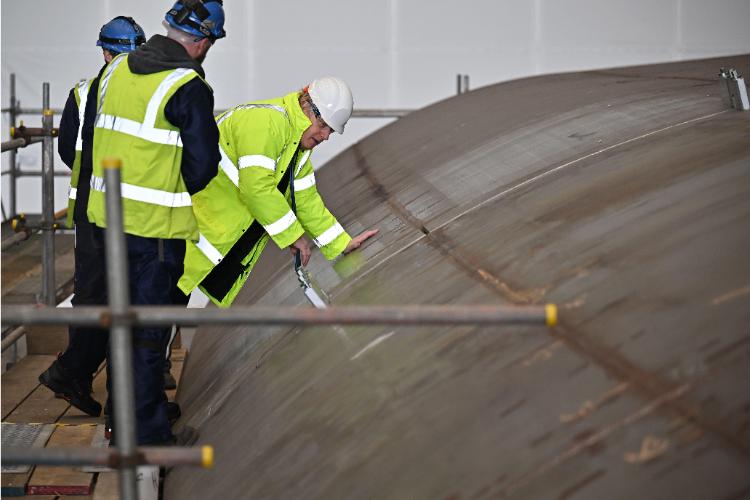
x=621 y=195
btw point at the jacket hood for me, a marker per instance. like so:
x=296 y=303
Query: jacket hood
x=161 y=54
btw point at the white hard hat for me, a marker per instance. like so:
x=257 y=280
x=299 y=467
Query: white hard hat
x=333 y=100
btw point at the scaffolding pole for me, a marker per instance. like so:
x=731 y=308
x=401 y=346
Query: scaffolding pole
x=16 y=239
x=14 y=144
x=357 y=113
x=13 y=114
x=35 y=173
x=415 y=315
x=164 y=456
x=48 y=203
x=121 y=343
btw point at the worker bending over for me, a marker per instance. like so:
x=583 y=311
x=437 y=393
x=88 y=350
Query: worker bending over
x=266 y=146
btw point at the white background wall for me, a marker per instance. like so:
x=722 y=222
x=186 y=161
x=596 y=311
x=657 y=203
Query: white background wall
x=394 y=53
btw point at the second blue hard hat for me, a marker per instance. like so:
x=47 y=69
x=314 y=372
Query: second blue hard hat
x=121 y=34
x=202 y=18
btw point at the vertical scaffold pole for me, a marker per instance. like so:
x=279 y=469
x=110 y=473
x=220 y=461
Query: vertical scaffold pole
x=48 y=203
x=12 y=155
x=121 y=344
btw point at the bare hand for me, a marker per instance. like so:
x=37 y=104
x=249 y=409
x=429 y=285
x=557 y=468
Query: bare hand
x=303 y=247
x=358 y=240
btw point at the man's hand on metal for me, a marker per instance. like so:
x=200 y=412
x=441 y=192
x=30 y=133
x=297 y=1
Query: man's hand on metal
x=302 y=247
x=358 y=240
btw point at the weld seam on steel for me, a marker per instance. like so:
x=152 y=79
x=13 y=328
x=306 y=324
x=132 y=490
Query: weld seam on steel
x=553 y=170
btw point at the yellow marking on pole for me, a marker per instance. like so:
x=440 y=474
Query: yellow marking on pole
x=551 y=310
x=207 y=457
x=111 y=163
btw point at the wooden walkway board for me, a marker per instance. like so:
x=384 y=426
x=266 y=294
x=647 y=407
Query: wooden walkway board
x=61 y=480
x=21 y=380
x=41 y=406
x=24 y=400
x=19 y=391
x=107 y=486
x=178 y=361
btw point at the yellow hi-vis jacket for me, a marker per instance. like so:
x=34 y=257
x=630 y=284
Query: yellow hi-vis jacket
x=248 y=201
x=81 y=92
x=131 y=125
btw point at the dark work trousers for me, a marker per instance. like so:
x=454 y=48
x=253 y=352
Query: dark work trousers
x=154 y=267
x=87 y=346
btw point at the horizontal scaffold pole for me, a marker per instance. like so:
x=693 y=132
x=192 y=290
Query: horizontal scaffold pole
x=357 y=113
x=167 y=456
x=19 y=143
x=268 y=315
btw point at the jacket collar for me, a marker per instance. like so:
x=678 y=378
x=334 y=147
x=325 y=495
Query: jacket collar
x=299 y=121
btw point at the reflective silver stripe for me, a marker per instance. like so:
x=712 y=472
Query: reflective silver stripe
x=105 y=80
x=145 y=130
x=72 y=193
x=146 y=195
x=228 y=113
x=257 y=161
x=329 y=235
x=229 y=168
x=153 y=105
x=304 y=183
x=281 y=225
x=97 y=183
x=83 y=93
x=155 y=196
x=209 y=250
x=302 y=161
x=131 y=127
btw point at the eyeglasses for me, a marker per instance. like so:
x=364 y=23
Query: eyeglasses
x=316 y=113
x=315 y=109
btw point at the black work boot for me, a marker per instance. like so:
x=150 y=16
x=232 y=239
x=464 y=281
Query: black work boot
x=75 y=392
x=89 y=382
x=173 y=412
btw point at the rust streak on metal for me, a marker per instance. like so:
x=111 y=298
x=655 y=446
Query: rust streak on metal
x=596 y=438
x=651 y=447
x=589 y=406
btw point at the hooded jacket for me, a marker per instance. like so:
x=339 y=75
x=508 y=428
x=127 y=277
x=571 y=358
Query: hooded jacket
x=190 y=109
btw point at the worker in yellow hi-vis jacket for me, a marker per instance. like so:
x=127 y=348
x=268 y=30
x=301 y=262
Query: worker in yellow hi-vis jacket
x=248 y=202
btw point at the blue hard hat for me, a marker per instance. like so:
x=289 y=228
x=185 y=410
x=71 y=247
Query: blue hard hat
x=121 y=34
x=202 y=18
